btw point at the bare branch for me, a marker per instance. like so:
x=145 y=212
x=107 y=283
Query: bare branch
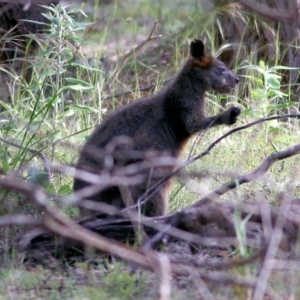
x=274 y=244
x=19 y=220
x=166 y=277
x=201 y=286
x=124 y=58
x=63 y=226
x=223 y=278
x=258 y=172
x=143 y=43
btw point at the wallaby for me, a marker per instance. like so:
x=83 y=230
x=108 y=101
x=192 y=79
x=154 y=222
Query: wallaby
x=162 y=122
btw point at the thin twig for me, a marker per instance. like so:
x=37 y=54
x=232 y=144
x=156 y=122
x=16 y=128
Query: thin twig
x=223 y=278
x=125 y=57
x=43 y=157
x=201 y=285
x=223 y=264
x=258 y=172
x=143 y=43
x=263 y=277
x=165 y=277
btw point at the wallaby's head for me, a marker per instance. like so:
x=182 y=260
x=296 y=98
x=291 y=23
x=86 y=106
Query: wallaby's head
x=212 y=73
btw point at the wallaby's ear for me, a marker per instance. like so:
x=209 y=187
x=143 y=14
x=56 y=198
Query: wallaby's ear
x=197 y=51
x=197 y=48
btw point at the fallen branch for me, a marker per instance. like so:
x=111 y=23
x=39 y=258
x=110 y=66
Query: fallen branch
x=77 y=236
x=60 y=224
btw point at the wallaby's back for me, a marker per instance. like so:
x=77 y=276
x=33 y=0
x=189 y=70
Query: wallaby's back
x=163 y=123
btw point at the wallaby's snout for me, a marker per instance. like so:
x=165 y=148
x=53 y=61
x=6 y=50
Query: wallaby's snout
x=230 y=79
x=228 y=76
x=235 y=79
x=224 y=82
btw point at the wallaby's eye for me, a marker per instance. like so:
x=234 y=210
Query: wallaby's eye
x=221 y=69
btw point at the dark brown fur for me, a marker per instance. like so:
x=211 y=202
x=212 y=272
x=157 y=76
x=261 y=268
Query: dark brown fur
x=163 y=122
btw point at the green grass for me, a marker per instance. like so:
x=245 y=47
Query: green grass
x=63 y=98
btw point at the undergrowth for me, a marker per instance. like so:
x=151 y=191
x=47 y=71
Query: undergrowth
x=78 y=76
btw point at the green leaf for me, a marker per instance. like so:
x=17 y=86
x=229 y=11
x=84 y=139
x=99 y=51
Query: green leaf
x=262 y=64
x=80 y=107
x=273 y=82
x=277 y=93
x=54 y=100
x=67 y=113
x=77 y=65
x=5 y=161
x=77 y=10
x=56 y=21
x=258 y=93
x=257 y=68
x=5 y=105
x=282 y=68
x=35 y=22
x=283 y=105
x=37 y=176
x=46 y=52
x=78 y=87
x=273 y=75
x=51 y=8
x=77 y=81
x=56 y=136
x=247 y=112
x=79 y=40
x=65 y=189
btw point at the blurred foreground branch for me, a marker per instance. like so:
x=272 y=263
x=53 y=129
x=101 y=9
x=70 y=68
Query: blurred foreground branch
x=208 y=222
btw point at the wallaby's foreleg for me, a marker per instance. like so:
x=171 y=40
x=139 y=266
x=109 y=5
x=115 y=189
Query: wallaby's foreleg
x=228 y=117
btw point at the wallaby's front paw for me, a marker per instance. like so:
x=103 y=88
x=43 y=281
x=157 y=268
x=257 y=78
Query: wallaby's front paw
x=230 y=115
